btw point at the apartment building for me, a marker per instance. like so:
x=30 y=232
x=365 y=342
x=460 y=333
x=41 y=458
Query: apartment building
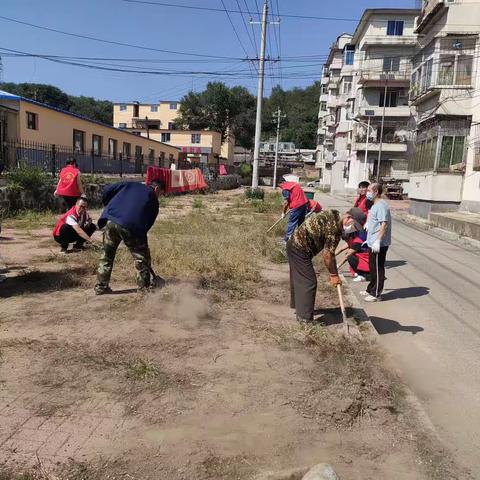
x=364 y=108
x=445 y=170
x=157 y=120
x=31 y=128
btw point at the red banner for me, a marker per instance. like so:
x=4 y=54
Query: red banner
x=177 y=180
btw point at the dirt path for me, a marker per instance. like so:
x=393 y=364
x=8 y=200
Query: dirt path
x=187 y=383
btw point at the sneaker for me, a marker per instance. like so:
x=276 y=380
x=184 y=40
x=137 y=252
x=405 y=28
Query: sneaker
x=2 y=278
x=78 y=248
x=304 y=321
x=355 y=275
x=359 y=278
x=103 y=291
x=364 y=293
x=371 y=299
x=63 y=251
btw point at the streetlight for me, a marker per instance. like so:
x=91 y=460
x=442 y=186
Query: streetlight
x=369 y=114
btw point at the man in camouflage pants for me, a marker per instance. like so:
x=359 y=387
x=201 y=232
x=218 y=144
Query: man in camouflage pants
x=321 y=232
x=131 y=210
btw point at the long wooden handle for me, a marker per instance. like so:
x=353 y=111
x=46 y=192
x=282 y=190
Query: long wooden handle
x=342 y=303
x=277 y=222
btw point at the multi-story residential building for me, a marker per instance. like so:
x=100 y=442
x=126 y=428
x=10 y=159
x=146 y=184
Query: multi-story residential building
x=157 y=120
x=445 y=170
x=366 y=114
x=46 y=136
x=335 y=105
x=385 y=42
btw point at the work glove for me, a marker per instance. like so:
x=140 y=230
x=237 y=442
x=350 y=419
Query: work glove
x=335 y=280
x=376 y=246
x=283 y=215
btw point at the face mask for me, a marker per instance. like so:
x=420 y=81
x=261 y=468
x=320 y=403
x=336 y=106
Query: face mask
x=370 y=196
x=349 y=229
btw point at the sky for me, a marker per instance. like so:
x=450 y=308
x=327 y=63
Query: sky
x=157 y=27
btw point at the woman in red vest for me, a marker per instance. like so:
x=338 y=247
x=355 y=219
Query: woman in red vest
x=74 y=226
x=69 y=184
x=295 y=202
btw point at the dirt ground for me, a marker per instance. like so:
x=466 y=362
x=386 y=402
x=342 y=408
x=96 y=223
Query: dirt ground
x=193 y=382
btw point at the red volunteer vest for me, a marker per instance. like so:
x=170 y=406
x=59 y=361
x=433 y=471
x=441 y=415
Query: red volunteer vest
x=363 y=264
x=68 y=182
x=361 y=203
x=63 y=219
x=314 y=206
x=297 y=195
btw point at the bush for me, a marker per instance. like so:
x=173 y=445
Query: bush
x=197 y=203
x=32 y=179
x=245 y=170
x=254 y=194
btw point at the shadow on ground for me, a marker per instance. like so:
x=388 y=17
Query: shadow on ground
x=395 y=263
x=408 y=292
x=385 y=326
x=42 y=282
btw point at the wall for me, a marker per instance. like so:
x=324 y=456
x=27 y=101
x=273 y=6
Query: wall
x=436 y=187
x=57 y=128
x=180 y=138
x=164 y=114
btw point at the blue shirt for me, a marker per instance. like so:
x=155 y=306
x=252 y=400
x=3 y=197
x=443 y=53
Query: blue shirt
x=132 y=205
x=378 y=214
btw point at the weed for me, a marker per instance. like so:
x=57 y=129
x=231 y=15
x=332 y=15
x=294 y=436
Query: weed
x=142 y=370
x=163 y=202
x=254 y=194
x=197 y=203
x=30 y=220
x=29 y=178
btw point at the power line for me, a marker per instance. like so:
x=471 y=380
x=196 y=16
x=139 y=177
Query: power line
x=113 y=42
x=248 y=32
x=234 y=29
x=251 y=26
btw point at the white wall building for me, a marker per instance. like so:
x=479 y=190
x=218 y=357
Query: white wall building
x=445 y=171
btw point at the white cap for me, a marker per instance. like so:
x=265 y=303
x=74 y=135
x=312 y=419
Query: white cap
x=291 y=178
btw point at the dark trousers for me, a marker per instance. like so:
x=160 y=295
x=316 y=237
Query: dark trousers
x=68 y=235
x=377 y=271
x=303 y=283
x=353 y=262
x=70 y=201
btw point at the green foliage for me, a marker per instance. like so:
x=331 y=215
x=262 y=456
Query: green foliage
x=254 y=194
x=245 y=170
x=197 y=203
x=259 y=206
x=99 y=110
x=29 y=178
x=221 y=109
x=301 y=108
x=163 y=202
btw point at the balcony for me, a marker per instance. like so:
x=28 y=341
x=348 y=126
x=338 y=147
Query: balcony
x=402 y=111
x=376 y=78
x=391 y=41
x=390 y=144
x=429 y=10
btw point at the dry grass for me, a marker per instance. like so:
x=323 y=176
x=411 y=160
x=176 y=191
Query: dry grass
x=30 y=220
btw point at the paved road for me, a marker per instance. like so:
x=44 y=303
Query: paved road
x=430 y=322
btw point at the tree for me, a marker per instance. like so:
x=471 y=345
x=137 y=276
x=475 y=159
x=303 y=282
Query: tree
x=100 y=110
x=40 y=92
x=221 y=109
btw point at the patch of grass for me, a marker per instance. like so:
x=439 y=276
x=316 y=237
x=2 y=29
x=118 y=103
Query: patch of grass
x=163 y=202
x=143 y=370
x=197 y=203
x=30 y=220
x=254 y=193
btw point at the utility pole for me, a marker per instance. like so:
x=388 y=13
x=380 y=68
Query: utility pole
x=1 y=70
x=381 y=129
x=278 y=116
x=261 y=75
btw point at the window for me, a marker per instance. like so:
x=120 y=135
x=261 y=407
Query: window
x=78 y=141
x=151 y=156
x=451 y=152
x=165 y=137
x=323 y=106
x=347 y=85
x=173 y=106
x=112 y=147
x=464 y=70
x=127 y=150
x=391 y=64
x=427 y=75
x=395 y=27
x=349 y=55
x=138 y=152
x=32 y=121
x=154 y=108
x=446 y=69
x=123 y=107
x=324 y=90
x=196 y=137
x=390 y=101
x=96 y=144
x=122 y=125
x=171 y=126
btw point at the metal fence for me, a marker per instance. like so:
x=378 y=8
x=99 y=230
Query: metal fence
x=52 y=158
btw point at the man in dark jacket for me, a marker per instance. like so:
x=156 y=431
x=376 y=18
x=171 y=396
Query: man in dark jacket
x=131 y=210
